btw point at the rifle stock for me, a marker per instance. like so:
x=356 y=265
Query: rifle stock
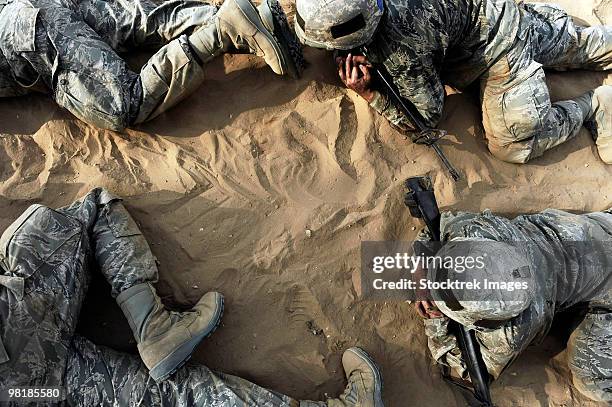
x=421 y=200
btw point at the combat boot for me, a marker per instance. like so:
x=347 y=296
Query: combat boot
x=166 y=339
x=598 y=118
x=364 y=388
x=239 y=26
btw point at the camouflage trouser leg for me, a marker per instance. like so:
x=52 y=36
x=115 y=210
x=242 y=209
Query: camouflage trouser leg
x=560 y=44
x=129 y=24
x=119 y=248
x=590 y=356
x=99 y=376
x=519 y=119
x=172 y=73
x=43 y=281
x=89 y=78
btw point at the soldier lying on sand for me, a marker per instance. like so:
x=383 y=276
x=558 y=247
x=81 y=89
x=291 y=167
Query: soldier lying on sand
x=46 y=262
x=503 y=46
x=70 y=49
x=566 y=260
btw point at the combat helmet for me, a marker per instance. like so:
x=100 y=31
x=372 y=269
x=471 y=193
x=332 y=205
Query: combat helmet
x=504 y=272
x=337 y=24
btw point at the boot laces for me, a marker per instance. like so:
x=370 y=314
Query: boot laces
x=351 y=393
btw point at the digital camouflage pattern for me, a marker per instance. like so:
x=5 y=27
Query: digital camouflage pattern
x=425 y=44
x=573 y=262
x=46 y=255
x=501 y=261
x=45 y=270
x=70 y=49
x=519 y=119
x=314 y=19
x=99 y=376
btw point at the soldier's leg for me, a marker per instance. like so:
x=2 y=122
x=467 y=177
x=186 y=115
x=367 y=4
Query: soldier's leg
x=99 y=376
x=43 y=280
x=165 y=339
x=129 y=24
x=118 y=247
x=590 y=356
x=560 y=44
x=519 y=119
x=93 y=82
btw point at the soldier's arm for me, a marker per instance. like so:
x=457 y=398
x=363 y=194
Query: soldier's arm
x=497 y=348
x=443 y=346
x=500 y=347
x=417 y=80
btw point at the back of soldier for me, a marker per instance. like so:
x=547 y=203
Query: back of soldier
x=574 y=249
x=466 y=37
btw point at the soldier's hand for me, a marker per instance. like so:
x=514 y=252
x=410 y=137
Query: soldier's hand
x=427 y=309
x=355 y=74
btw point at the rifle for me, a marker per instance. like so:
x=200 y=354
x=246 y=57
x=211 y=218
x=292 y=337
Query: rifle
x=426 y=135
x=421 y=201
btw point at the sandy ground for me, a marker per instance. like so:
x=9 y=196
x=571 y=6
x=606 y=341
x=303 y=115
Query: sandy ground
x=227 y=185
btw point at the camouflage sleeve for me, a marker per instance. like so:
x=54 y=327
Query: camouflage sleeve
x=498 y=347
x=501 y=346
x=443 y=346
x=497 y=350
x=384 y=107
x=418 y=81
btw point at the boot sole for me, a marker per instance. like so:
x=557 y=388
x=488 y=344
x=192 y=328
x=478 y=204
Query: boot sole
x=275 y=20
x=252 y=15
x=173 y=362
x=378 y=381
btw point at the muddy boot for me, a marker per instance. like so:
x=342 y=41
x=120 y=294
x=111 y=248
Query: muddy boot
x=239 y=26
x=364 y=387
x=598 y=118
x=167 y=339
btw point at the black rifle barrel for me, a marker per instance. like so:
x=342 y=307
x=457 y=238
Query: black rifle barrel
x=475 y=365
x=421 y=200
x=426 y=133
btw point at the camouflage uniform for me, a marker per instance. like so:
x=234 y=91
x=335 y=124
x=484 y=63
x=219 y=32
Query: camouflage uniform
x=99 y=376
x=70 y=47
x=562 y=279
x=425 y=44
x=45 y=258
